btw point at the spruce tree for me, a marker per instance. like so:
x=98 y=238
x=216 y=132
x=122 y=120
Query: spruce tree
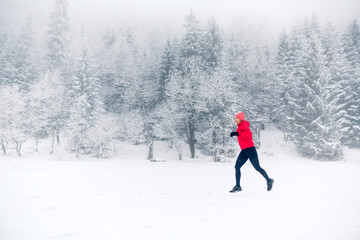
x=58 y=42
x=7 y=61
x=58 y=36
x=282 y=78
x=351 y=45
x=314 y=117
x=292 y=94
x=86 y=106
x=24 y=67
x=308 y=109
x=192 y=40
x=213 y=45
x=337 y=72
x=167 y=68
x=191 y=72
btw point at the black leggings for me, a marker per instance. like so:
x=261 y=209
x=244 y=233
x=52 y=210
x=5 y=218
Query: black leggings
x=244 y=155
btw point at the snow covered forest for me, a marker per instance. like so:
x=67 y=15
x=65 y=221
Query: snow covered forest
x=91 y=91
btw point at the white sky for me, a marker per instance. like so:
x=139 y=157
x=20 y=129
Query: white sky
x=276 y=14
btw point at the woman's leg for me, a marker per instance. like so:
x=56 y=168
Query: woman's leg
x=252 y=153
x=241 y=160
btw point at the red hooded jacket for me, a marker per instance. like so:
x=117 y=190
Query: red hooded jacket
x=245 y=135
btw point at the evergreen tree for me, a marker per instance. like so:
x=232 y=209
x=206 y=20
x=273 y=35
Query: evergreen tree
x=167 y=68
x=192 y=40
x=58 y=61
x=3 y=44
x=24 y=69
x=186 y=82
x=147 y=99
x=58 y=35
x=106 y=57
x=86 y=107
x=7 y=62
x=237 y=60
x=351 y=43
x=283 y=80
x=336 y=73
x=213 y=45
x=314 y=118
x=262 y=86
x=292 y=91
x=308 y=106
x=128 y=73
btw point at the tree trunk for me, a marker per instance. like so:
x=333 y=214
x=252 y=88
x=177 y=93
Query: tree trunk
x=36 y=143
x=214 y=141
x=18 y=146
x=179 y=150
x=191 y=138
x=170 y=143
x=53 y=141
x=151 y=149
x=3 y=146
x=58 y=137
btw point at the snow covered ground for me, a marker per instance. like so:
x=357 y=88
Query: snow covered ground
x=44 y=197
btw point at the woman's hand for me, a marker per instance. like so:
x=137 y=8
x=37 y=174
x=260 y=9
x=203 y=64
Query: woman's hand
x=234 y=134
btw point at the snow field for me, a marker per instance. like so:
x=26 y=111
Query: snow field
x=127 y=197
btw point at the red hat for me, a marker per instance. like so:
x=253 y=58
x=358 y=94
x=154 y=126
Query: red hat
x=240 y=116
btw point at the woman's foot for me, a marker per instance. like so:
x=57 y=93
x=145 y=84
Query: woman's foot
x=236 y=189
x=270 y=184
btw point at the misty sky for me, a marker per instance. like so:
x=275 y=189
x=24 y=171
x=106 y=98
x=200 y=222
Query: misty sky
x=277 y=14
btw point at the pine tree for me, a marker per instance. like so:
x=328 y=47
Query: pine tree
x=237 y=60
x=128 y=73
x=308 y=109
x=262 y=85
x=167 y=68
x=24 y=67
x=58 y=60
x=192 y=40
x=106 y=57
x=213 y=45
x=351 y=43
x=184 y=89
x=3 y=45
x=314 y=117
x=7 y=62
x=147 y=98
x=292 y=94
x=58 y=35
x=86 y=107
x=336 y=74
x=282 y=78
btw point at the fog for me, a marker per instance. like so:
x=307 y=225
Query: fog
x=168 y=16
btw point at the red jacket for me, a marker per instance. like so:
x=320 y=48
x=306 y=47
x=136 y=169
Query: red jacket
x=245 y=135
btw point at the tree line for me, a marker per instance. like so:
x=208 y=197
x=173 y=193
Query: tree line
x=127 y=87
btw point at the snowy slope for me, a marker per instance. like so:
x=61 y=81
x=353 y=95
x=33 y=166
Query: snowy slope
x=44 y=197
